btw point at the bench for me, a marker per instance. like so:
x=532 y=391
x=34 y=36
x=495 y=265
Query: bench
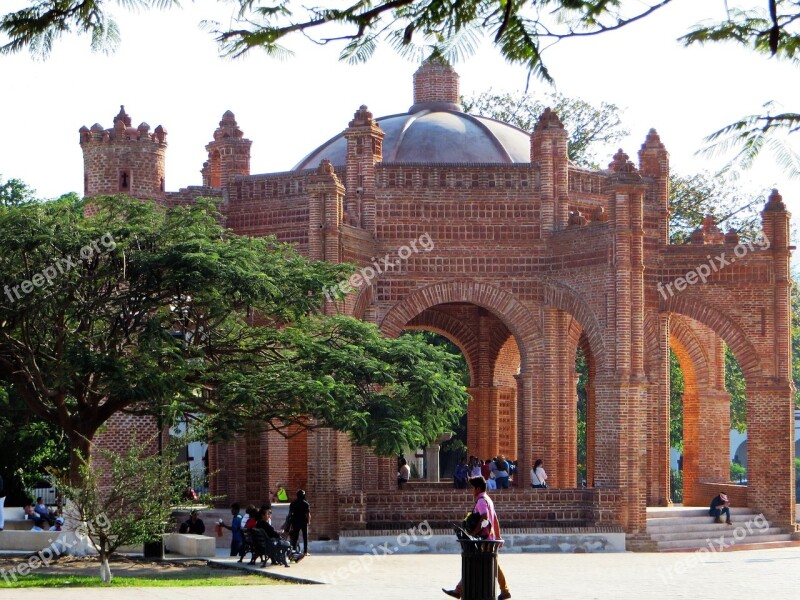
x=190 y=544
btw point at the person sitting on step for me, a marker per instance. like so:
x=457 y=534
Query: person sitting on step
x=720 y=506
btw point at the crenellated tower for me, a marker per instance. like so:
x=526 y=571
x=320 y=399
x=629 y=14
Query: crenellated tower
x=124 y=159
x=228 y=154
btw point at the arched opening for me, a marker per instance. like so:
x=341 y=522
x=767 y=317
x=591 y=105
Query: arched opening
x=452 y=450
x=707 y=407
x=492 y=362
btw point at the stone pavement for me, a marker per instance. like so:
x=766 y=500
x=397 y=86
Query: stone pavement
x=764 y=574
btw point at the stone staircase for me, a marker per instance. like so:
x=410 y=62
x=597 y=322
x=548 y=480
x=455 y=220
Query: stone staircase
x=682 y=529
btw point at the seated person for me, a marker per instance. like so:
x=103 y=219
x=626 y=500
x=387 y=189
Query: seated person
x=43 y=512
x=194 y=524
x=58 y=524
x=720 y=506
x=264 y=518
x=189 y=494
x=252 y=517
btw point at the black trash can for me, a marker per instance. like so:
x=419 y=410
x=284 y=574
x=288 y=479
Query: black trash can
x=154 y=549
x=479 y=568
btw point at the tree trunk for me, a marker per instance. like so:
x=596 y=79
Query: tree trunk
x=80 y=446
x=105 y=569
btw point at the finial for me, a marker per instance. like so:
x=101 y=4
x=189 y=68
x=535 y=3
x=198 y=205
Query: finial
x=653 y=140
x=775 y=201
x=123 y=117
x=548 y=120
x=361 y=117
x=621 y=163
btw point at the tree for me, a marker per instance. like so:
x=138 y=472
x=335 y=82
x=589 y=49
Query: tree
x=692 y=197
x=520 y=31
x=165 y=312
x=127 y=501
x=15 y=192
x=592 y=129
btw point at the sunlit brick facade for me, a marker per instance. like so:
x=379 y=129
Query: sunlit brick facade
x=533 y=258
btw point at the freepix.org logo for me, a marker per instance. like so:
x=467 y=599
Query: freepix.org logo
x=50 y=273
x=366 y=274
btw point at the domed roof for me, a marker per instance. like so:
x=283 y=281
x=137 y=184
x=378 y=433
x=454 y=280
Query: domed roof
x=435 y=130
x=434 y=135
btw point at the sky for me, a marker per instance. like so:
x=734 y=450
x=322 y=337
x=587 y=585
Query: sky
x=168 y=71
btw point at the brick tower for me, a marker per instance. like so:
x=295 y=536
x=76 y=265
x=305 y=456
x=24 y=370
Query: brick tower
x=228 y=154
x=123 y=159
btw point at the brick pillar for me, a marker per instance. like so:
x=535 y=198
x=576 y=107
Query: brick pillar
x=483 y=422
x=549 y=149
x=549 y=410
x=329 y=473
x=525 y=431
x=658 y=457
x=770 y=451
x=654 y=162
x=364 y=149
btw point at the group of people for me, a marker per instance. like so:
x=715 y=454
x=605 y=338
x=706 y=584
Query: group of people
x=297 y=522
x=43 y=518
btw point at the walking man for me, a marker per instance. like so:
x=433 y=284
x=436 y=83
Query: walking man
x=300 y=518
x=489 y=529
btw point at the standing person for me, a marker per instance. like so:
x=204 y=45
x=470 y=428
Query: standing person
x=404 y=474
x=477 y=465
x=2 y=504
x=720 y=506
x=489 y=529
x=300 y=518
x=538 y=476
x=237 y=537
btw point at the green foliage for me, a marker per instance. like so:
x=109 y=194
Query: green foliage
x=735 y=386
x=738 y=472
x=15 y=192
x=771 y=28
x=582 y=369
x=32 y=448
x=676 y=388
x=173 y=315
x=451 y=30
x=676 y=486
x=592 y=129
x=795 y=304
x=125 y=499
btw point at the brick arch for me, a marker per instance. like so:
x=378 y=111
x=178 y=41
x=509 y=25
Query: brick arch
x=363 y=302
x=451 y=328
x=511 y=311
x=506 y=364
x=690 y=351
x=724 y=327
x=565 y=298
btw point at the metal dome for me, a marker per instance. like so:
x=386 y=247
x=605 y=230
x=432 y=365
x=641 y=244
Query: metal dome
x=433 y=133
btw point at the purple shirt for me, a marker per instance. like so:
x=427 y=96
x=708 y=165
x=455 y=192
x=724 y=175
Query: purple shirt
x=485 y=507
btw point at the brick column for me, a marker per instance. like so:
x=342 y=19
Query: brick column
x=770 y=450
x=329 y=473
x=525 y=434
x=658 y=456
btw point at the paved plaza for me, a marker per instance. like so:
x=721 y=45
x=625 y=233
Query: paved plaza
x=763 y=574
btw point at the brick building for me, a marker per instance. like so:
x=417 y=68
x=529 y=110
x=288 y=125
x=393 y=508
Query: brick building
x=534 y=258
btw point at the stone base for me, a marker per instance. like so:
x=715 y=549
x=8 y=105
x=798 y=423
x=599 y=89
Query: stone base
x=582 y=540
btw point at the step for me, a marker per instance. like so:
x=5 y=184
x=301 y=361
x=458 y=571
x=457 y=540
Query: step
x=714 y=542
x=713 y=534
x=701 y=527
x=743 y=546
x=661 y=513
x=697 y=520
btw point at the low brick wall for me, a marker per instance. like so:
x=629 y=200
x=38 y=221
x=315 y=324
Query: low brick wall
x=516 y=508
x=705 y=492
